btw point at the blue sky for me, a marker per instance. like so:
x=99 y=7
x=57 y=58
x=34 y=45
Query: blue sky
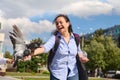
x=84 y=25
x=34 y=18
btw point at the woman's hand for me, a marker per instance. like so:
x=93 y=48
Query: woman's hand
x=27 y=57
x=83 y=58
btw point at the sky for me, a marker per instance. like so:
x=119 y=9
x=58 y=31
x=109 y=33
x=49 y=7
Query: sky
x=35 y=17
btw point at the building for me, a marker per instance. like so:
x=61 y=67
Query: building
x=2 y=66
x=1 y=44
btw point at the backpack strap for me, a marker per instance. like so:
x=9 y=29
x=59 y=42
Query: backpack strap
x=77 y=38
x=53 y=51
x=81 y=67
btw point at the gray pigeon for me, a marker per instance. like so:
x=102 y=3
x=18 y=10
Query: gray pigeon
x=20 y=48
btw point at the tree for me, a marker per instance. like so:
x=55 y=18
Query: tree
x=37 y=40
x=98 y=32
x=95 y=52
x=8 y=55
x=32 y=65
x=119 y=41
x=112 y=54
x=43 y=59
x=102 y=52
x=21 y=66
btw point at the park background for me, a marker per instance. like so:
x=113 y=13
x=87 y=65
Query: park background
x=34 y=18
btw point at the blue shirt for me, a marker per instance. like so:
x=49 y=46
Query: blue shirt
x=65 y=57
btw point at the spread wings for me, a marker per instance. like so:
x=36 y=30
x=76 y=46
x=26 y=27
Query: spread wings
x=17 y=40
x=20 y=48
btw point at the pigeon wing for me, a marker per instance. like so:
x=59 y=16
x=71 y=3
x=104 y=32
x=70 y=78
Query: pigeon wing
x=17 y=40
x=17 y=31
x=18 y=43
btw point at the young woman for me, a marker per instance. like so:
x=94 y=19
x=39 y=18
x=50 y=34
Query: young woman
x=63 y=66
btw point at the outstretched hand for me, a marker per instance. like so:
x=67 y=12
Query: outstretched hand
x=27 y=57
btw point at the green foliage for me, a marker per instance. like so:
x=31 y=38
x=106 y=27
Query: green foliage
x=34 y=64
x=29 y=65
x=98 y=32
x=8 y=55
x=102 y=52
x=46 y=72
x=43 y=59
x=112 y=54
x=37 y=40
x=119 y=41
x=21 y=66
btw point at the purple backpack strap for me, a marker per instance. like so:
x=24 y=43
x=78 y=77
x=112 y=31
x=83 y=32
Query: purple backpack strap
x=77 y=38
x=53 y=51
x=81 y=67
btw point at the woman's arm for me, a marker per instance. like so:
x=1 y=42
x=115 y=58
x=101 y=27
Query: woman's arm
x=38 y=51
x=43 y=48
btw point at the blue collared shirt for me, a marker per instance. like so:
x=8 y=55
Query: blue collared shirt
x=65 y=57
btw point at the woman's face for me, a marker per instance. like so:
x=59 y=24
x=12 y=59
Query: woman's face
x=61 y=25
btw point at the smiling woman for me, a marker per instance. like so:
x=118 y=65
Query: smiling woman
x=63 y=54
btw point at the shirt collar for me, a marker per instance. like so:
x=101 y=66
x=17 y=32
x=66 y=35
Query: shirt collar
x=72 y=36
x=59 y=35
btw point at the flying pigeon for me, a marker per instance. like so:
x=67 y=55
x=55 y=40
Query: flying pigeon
x=21 y=49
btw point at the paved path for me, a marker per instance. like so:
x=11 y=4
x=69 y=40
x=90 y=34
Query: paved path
x=20 y=77
x=8 y=78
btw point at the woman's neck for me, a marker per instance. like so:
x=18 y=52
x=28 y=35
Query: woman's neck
x=66 y=34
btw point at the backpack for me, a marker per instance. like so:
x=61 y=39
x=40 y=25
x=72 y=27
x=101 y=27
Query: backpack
x=81 y=67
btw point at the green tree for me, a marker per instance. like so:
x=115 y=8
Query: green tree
x=32 y=65
x=102 y=52
x=98 y=32
x=36 y=40
x=95 y=52
x=21 y=66
x=112 y=54
x=8 y=55
x=43 y=59
x=119 y=41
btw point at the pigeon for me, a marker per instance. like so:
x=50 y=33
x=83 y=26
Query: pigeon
x=20 y=48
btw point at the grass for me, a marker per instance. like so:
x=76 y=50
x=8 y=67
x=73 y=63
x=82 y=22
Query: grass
x=49 y=79
x=36 y=79
x=37 y=76
x=25 y=74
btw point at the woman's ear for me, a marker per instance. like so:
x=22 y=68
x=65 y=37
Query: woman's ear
x=68 y=24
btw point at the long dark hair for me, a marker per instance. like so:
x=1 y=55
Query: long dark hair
x=67 y=20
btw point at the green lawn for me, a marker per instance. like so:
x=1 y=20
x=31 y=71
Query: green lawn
x=48 y=79
x=27 y=76
x=35 y=79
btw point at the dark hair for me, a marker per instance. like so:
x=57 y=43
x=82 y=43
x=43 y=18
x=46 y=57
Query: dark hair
x=67 y=20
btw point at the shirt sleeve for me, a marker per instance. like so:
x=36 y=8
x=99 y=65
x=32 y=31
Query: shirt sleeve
x=49 y=44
